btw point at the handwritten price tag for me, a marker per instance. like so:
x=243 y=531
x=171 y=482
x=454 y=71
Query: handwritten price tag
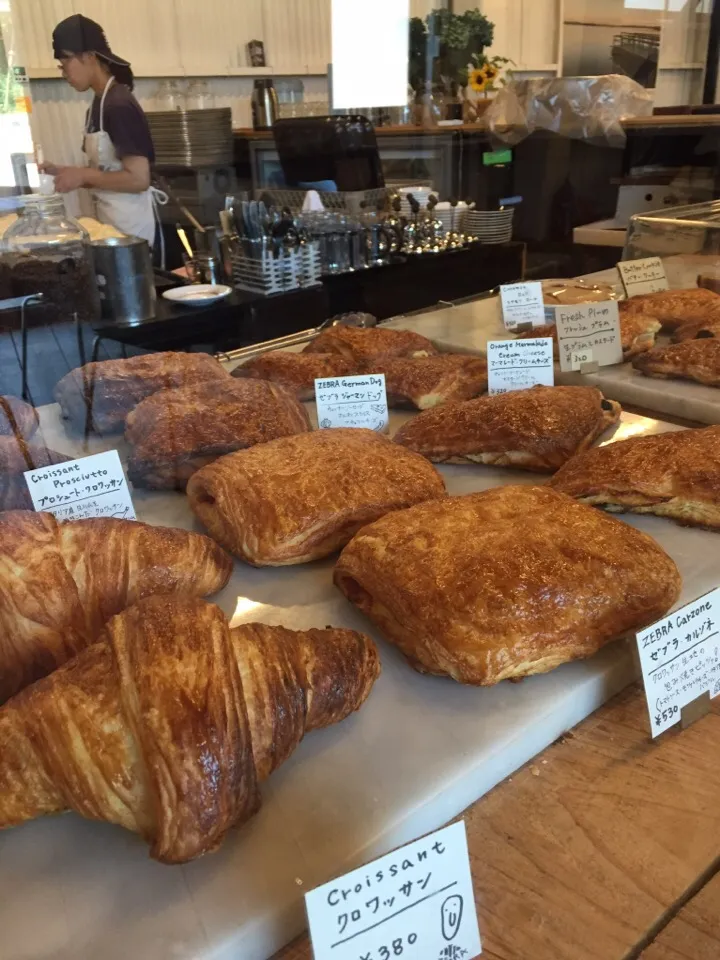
x=352 y=402
x=589 y=327
x=680 y=659
x=643 y=276
x=578 y=358
x=89 y=487
x=522 y=303
x=416 y=903
x=519 y=364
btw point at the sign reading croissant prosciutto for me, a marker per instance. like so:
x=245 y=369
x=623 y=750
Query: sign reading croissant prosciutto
x=589 y=326
x=416 y=903
x=519 y=364
x=89 y=487
x=680 y=659
x=359 y=401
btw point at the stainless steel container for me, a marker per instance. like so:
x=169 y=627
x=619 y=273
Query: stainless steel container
x=264 y=104
x=124 y=273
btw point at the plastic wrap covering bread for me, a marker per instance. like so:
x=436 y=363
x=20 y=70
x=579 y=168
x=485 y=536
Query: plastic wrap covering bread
x=537 y=429
x=504 y=584
x=60 y=583
x=582 y=108
x=170 y=722
x=300 y=498
x=675 y=475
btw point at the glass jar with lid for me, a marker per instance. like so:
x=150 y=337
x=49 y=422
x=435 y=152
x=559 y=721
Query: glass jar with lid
x=48 y=252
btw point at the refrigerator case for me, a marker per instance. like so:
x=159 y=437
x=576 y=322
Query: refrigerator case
x=686 y=238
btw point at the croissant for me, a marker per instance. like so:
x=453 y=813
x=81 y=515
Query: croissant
x=167 y=726
x=60 y=583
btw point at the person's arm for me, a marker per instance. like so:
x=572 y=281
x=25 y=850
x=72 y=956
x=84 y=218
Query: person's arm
x=133 y=178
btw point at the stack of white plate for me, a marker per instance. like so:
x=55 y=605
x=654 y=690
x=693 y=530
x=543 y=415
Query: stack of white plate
x=452 y=220
x=421 y=194
x=191 y=138
x=490 y=226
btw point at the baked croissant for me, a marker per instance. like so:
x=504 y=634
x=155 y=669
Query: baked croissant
x=60 y=583
x=167 y=726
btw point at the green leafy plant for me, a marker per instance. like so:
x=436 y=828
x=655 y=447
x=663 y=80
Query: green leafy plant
x=461 y=39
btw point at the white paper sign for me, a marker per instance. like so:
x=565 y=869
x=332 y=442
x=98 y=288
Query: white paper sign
x=680 y=659
x=643 y=276
x=522 y=303
x=578 y=358
x=359 y=401
x=416 y=903
x=89 y=487
x=589 y=326
x=519 y=364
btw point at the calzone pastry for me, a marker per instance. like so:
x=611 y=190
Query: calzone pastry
x=691 y=360
x=168 y=725
x=537 y=429
x=100 y=395
x=506 y=583
x=424 y=382
x=300 y=498
x=17 y=418
x=361 y=344
x=175 y=432
x=17 y=456
x=297 y=371
x=675 y=475
x=673 y=308
x=637 y=333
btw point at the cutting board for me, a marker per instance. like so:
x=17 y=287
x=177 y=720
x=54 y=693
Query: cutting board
x=419 y=752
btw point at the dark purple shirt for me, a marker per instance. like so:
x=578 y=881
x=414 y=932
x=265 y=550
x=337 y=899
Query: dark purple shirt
x=125 y=122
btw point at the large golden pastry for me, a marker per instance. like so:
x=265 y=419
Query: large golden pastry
x=691 y=360
x=17 y=456
x=176 y=432
x=297 y=371
x=362 y=344
x=60 y=583
x=673 y=308
x=506 y=583
x=100 y=395
x=709 y=327
x=168 y=725
x=425 y=382
x=17 y=418
x=637 y=333
x=675 y=475
x=300 y=498
x=537 y=429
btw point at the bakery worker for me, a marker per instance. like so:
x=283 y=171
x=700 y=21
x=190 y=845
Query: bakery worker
x=117 y=140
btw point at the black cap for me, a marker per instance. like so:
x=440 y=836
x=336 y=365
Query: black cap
x=80 y=34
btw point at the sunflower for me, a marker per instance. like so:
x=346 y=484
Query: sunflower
x=482 y=77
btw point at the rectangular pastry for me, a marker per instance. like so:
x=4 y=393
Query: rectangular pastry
x=300 y=498
x=537 y=429
x=504 y=584
x=297 y=371
x=697 y=360
x=362 y=344
x=673 y=308
x=173 y=433
x=674 y=474
x=100 y=395
x=425 y=382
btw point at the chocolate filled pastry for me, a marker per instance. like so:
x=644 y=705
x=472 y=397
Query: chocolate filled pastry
x=697 y=360
x=537 y=429
x=637 y=332
x=362 y=344
x=506 y=583
x=300 y=498
x=176 y=432
x=425 y=382
x=297 y=371
x=674 y=308
x=675 y=475
x=101 y=395
x=17 y=418
x=17 y=456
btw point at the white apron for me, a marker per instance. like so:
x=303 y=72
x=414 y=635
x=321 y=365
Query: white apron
x=133 y=213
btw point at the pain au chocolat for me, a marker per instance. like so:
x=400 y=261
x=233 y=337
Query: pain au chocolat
x=674 y=474
x=697 y=360
x=297 y=371
x=537 y=429
x=176 y=432
x=673 y=308
x=425 y=382
x=299 y=498
x=362 y=344
x=506 y=583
